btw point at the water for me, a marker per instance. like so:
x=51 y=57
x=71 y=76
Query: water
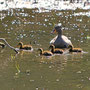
x=45 y=4
x=29 y=70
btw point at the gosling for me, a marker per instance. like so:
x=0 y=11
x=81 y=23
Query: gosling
x=71 y=49
x=45 y=53
x=24 y=47
x=56 y=50
x=2 y=45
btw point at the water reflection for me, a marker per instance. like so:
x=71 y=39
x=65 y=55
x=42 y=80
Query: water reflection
x=22 y=53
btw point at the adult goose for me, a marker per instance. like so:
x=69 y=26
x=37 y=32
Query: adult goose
x=60 y=41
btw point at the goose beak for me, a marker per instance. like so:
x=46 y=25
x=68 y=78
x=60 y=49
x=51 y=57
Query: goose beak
x=54 y=31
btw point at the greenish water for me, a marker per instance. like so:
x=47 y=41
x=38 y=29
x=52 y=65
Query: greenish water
x=30 y=71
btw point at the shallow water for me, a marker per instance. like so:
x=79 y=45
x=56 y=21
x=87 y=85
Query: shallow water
x=30 y=71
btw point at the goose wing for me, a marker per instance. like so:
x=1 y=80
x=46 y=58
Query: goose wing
x=53 y=40
x=67 y=40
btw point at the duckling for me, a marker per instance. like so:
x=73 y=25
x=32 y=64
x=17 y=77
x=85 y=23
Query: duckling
x=60 y=41
x=2 y=45
x=56 y=50
x=24 y=47
x=71 y=49
x=45 y=53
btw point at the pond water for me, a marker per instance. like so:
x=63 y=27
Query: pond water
x=29 y=70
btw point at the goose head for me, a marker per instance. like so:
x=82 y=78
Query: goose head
x=52 y=47
x=20 y=44
x=57 y=29
x=41 y=50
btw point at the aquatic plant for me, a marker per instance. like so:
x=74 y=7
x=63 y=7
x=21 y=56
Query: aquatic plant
x=17 y=67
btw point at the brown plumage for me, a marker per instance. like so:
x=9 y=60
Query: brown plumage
x=45 y=53
x=2 y=45
x=56 y=50
x=24 y=47
x=71 y=49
